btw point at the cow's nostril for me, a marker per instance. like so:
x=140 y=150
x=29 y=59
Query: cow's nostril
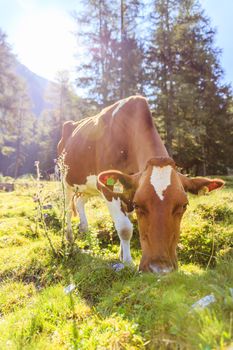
x=160 y=269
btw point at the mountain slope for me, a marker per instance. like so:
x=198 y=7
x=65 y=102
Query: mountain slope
x=36 y=88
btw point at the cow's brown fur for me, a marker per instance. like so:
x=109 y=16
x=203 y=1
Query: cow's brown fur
x=124 y=143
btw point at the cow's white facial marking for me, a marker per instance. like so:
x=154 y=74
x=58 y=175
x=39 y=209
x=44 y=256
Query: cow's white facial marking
x=160 y=179
x=120 y=104
x=123 y=226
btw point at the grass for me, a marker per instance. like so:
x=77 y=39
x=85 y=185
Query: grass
x=108 y=309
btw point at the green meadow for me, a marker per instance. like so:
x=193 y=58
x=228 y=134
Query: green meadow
x=103 y=308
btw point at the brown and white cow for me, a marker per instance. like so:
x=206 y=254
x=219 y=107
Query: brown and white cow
x=119 y=154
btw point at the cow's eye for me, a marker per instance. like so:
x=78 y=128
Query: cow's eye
x=139 y=209
x=180 y=209
x=136 y=206
x=185 y=206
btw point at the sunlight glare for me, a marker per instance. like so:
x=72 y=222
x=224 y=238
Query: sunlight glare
x=47 y=42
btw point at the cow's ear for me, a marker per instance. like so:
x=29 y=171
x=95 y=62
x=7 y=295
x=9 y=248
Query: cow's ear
x=67 y=129
x=198 y=185
x=115 y=184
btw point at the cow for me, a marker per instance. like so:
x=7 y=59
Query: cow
x=119 y=155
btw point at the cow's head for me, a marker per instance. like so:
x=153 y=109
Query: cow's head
x=158 y=195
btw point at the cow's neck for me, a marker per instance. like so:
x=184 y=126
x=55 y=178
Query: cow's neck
x=147 y=144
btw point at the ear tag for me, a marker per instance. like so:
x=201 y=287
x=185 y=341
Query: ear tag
x=118 y=187
x=110 y=181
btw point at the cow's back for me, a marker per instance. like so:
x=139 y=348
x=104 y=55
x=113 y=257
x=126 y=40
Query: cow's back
x=102 y=142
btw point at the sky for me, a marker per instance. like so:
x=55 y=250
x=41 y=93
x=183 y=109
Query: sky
x=40 y=33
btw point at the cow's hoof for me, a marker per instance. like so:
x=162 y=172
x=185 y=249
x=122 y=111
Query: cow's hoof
x=128 y=260
x=118 y=267
x=69 y=236
x=162 y=270
x=82 y=228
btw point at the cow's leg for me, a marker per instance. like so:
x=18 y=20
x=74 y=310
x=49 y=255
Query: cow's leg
x=123 y=226
x=68 y=209
x=80 y=204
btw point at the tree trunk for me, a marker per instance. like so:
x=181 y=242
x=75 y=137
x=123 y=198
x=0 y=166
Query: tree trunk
x=19 y=140
x=103 y=83
x=168 y=82
x=203 y=160
x=122 y=92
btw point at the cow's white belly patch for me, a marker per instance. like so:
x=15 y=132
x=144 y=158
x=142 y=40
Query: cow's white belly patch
x=160 y=179
x=90 y=187
x=120 y=104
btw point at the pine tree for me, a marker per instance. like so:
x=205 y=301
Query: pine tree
x=15 y=148
x=186 y=85
x=161 y=65
x=23 y=135
x=201 y=80
x=8 y=86
x=113 y=53
x=16 y=118
x=130 y=49
x=65 y=105
x=98 y=44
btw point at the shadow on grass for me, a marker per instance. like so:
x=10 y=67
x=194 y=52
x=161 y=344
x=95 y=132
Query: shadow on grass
x=159 y=306
x=156 y=308
x=92 y=277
